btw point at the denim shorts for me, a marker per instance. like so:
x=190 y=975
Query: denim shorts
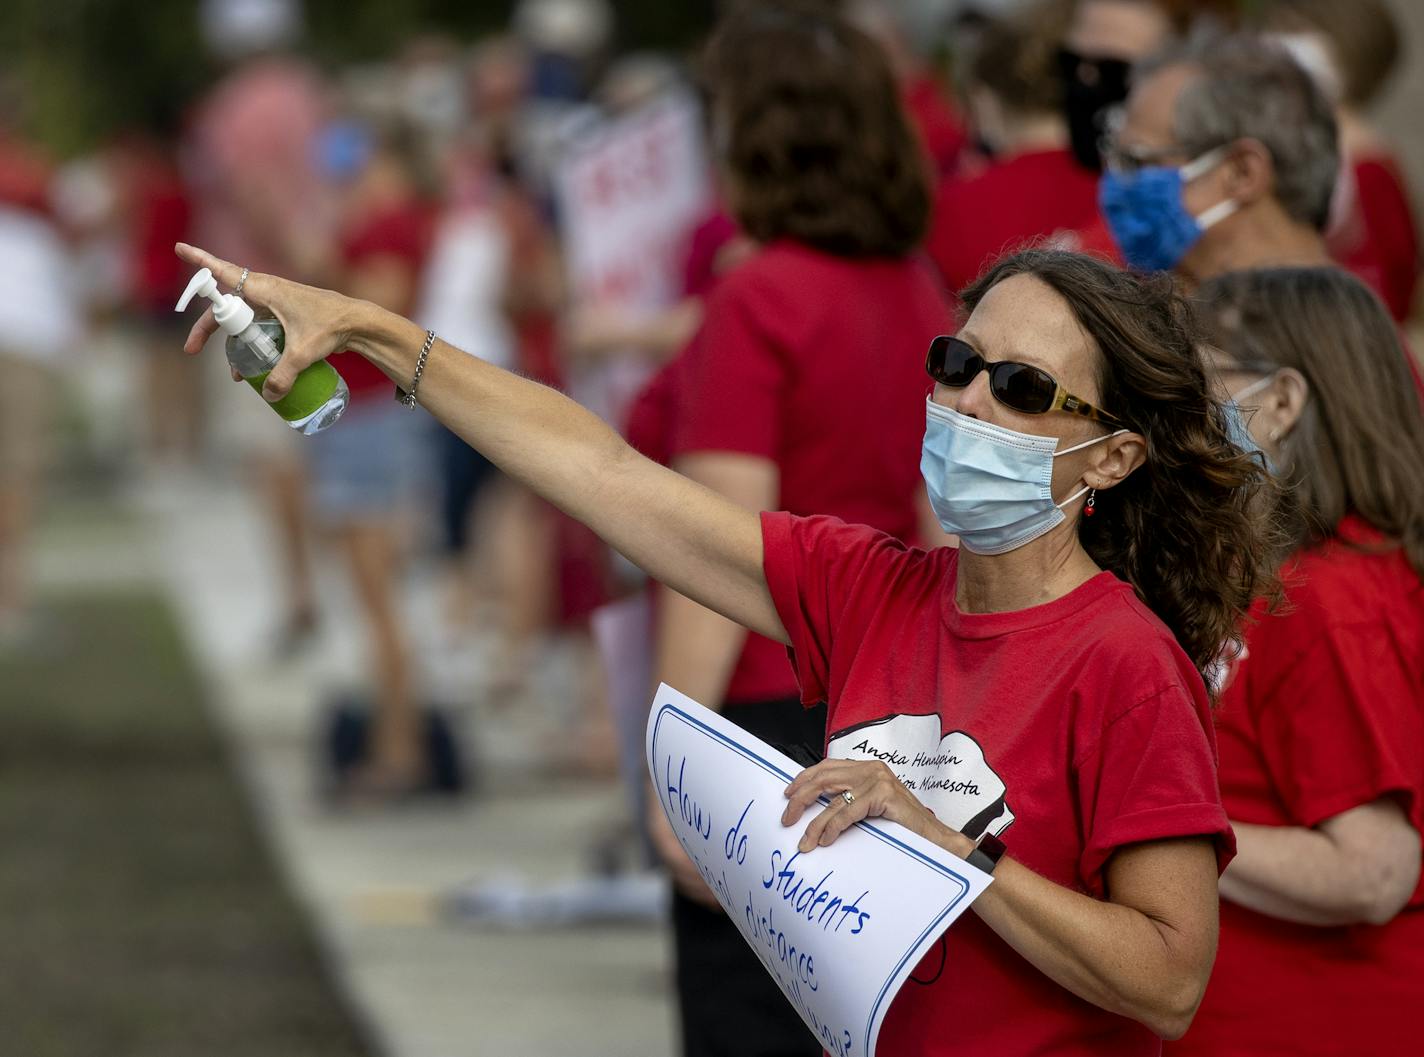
x=372 y=461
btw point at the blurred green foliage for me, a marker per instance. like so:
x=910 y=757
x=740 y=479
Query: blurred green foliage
x=77 y=70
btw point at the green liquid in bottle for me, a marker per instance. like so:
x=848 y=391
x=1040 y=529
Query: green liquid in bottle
x=318 y=395
x=312 y=389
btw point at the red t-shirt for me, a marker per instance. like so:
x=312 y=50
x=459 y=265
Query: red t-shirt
x=401 y=231
x=1380 y=241
x=700 y=270
x=160 y=214
x=816 y=363
x=1011 y=203
x=1078 y=726
x=935 y=121
x=25 y=176
x=1323 y=712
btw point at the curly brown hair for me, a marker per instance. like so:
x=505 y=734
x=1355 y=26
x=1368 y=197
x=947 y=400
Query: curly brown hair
x=816 y=144
x=1188 y=529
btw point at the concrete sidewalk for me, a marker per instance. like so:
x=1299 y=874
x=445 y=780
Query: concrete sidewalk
x=427 y=987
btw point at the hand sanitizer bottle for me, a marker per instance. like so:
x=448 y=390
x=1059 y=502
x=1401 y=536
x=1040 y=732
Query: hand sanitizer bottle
x=254 y=346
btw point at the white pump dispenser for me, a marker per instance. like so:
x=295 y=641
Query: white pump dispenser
x=230 y=312
x=254 y=346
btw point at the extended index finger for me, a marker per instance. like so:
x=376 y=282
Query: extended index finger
x=226 y=272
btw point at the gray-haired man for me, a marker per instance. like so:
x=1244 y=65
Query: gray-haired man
x=1224 y=157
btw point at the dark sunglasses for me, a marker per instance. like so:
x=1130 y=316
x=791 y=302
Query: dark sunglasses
x=1021 y=386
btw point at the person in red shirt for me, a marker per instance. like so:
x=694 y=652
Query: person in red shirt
x=1351 y=50
x=1320 y=725
x=155 y=211
x=1111 y=539
x=363 y=472
x=1034 y=188
x=799 y=391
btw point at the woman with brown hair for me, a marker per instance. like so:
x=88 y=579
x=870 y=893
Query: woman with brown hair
x=1110 y=542
x=1322 y=708
x=800 y=391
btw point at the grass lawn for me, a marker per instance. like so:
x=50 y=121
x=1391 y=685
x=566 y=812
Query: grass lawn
x=140 y=911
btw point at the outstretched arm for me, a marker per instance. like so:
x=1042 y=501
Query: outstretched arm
x=686 y=536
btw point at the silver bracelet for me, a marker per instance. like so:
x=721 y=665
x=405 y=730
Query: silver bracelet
x=408 y=398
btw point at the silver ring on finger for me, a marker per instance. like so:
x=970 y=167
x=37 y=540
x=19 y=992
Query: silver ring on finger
x=848 y=796
x=241 y=282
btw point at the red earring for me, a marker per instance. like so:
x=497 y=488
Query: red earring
x=1092 y=499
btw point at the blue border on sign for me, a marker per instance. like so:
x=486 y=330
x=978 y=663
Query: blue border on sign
x=871 y=828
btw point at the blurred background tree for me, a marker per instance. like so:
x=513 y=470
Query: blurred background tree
x=79 y=70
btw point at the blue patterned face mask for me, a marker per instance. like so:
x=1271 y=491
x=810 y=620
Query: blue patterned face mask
x=990 y=486
x=1144 y=211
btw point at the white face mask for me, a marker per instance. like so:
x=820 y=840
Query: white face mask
x=990 y=486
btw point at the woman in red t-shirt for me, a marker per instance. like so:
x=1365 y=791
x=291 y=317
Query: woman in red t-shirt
x=800 y=391
x=1056 y=655
x=362 y=474
x=1322 y=709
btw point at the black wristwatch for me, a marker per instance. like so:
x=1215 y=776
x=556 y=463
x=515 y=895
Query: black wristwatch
x=987 y=853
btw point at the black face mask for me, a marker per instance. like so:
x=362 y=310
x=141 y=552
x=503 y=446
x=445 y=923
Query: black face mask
x=1090 y=87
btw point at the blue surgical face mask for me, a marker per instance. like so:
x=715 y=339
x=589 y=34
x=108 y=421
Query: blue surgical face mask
x=1145 y=213
x=990 y=486
x=1236 y=424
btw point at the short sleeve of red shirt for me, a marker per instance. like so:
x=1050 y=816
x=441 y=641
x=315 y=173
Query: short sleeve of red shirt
x=402 y=233
x=734 y=367
x=812 y=567
x=1149 y=777
x=1344 y=726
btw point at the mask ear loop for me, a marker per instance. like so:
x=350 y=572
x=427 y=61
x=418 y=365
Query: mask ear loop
x=1088 y=509
x=1217 y=213
x=1090 y=443
x=1254 y=388
x=1200 y=166
x=1204 y=163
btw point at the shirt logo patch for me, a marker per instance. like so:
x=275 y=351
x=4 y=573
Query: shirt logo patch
x=947 y=774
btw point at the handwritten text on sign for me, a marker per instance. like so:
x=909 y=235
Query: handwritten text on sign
x=840 y=928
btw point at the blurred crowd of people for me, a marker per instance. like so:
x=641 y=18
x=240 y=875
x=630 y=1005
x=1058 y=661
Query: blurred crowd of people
x=770 y=349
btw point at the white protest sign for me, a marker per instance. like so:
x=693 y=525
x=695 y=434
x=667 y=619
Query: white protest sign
x=629 y=193
x=840 y=928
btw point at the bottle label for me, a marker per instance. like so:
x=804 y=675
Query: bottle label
x=312 y=389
